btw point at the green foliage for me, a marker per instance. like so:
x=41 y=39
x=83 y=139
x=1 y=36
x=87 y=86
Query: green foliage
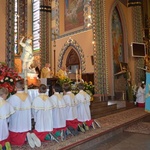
x=89 y=87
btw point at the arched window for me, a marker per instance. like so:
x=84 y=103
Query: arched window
x=36 y=24
x=35 y=27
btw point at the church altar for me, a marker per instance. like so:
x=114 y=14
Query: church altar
x=47 y=81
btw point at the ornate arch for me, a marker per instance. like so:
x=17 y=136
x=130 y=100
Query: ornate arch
x=77 y=48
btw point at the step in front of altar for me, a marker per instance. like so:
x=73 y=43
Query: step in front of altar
x=111 y=125
x=102 y=109
x=99 y=106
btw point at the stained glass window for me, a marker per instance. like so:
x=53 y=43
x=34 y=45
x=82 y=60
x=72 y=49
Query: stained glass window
x=36 y=25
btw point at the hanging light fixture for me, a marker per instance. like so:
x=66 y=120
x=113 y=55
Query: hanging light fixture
x=134 y=3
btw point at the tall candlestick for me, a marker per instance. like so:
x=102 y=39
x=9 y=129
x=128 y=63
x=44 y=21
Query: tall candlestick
x=76 y=75
x=80 y=74
x=54 y=62
x=25 y=79
x=123 y=96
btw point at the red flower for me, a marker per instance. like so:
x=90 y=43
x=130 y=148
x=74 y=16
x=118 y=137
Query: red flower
x=8 y=78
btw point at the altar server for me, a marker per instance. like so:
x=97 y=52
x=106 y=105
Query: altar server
x=140 y=95
x=83 y=108
x=42 y=111
x=71 y=110
x=59 y=111
x=6 y=110
x=20 y=121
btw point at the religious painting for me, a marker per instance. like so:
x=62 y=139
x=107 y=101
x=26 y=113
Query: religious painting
x=117 y=41
x=74 y=14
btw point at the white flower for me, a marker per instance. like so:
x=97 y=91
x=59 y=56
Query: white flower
x=11 y=80
x=2 y=80
x=6 y=78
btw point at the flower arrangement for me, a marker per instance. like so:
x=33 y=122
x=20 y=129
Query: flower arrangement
x=89 y=88
x=61 y=80
x=8 y=78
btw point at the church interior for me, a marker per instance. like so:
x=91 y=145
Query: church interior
x=103 y=43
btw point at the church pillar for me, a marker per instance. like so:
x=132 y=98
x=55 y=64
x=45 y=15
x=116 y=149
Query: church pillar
x=138 y=37
x=45 y=34
x=13 y=36
x=99 y=35
x=10 y=9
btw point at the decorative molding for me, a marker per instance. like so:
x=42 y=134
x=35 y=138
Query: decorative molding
x=77 y=48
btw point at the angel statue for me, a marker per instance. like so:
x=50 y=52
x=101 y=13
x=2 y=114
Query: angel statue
x=27 y=54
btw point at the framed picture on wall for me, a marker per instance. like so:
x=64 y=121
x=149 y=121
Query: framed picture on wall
x=73 y=14
x=138 y=49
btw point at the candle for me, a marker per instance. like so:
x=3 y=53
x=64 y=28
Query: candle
x=123 y=96
x=80 y=74
x=76 y=75
x=25 y=79
x=76 y=71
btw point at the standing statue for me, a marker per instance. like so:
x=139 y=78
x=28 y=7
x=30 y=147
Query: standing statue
x=27 y=54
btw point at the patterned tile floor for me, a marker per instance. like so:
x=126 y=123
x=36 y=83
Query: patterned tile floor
x=108 y=123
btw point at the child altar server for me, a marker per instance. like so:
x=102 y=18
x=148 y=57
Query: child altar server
x=71 y=110
x=20 y=121
x=6 y=110
x=42 y=109
x=59 y=111
x=83 y=108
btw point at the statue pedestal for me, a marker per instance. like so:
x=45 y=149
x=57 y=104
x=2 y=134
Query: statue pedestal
x=32 y=79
